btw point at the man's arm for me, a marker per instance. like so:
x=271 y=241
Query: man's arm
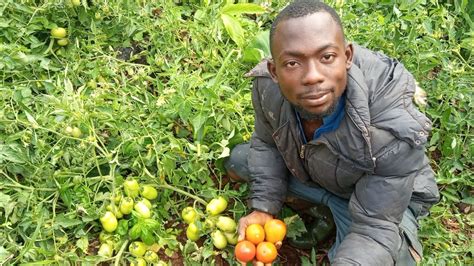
x=268 y=172
x=377 y=206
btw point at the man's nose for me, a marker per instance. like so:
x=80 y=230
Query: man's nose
x=313 y=74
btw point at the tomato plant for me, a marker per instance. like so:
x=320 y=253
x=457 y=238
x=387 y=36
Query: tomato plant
x=216 y=205
x=148 y=192
x=126 y=205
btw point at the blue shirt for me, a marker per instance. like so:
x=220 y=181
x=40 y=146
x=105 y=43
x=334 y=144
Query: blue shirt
x=330 y=122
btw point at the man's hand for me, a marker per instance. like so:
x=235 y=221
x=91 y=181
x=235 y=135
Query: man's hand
x=255 y=217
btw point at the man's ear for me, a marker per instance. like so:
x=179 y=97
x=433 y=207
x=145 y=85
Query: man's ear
x=349 y=55
x=272 y=70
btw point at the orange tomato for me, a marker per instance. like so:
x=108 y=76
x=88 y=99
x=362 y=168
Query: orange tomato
x=266 y=252
x=275 y=230
x=245 y=251
x=255 y=233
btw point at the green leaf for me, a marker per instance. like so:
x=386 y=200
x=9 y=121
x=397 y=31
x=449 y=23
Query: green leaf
x=135 y=232
x=295 y=226
x=233 y=28
x=65 y=222
x=83 y=243
x=242 y=8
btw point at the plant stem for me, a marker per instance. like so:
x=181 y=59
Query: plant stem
x=119 y=254
x=196 y=198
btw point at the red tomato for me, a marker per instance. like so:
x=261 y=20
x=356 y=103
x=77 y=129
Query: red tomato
x=245 y=251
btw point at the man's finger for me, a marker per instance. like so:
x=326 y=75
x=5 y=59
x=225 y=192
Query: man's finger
x=241 y=230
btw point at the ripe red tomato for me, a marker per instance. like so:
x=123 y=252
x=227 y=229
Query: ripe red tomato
x=266 y=252
x=275 y=230
x=245 y=251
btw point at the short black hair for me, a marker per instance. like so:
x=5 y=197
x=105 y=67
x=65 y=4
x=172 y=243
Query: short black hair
x=301 y=8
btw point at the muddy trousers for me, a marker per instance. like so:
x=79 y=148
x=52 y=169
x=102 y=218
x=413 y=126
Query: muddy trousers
x=338 y=206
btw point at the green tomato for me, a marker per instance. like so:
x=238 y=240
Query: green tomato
x=189 y=215
x=192 y=232
x=76 y=2
x=68 y=130
x=210 y=223
x=105 y=237
x=126 y=205
x=105 y=250
x=146 y=202
x=109 y=221
x=231 y=237
x=131 y=187
x=148 y=192
x=226 y=224
x=142 y=210
x=151 y=256
x=137 y=249
x=58 y=33
x=138 y=262
x=62 y=42
x=216 y=205
x=218 y=239
x=76 y=132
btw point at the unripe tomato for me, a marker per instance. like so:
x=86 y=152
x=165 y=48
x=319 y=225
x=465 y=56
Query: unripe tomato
x=126 y=205
x=255 y=233
x=68 y=130
x=275 y=230
x=189 y=215
x=149 y=192
x=109 y=221
x=138 y=262
x=105 y=250
x=146 y=202
x=210 y=223
x=142 y=210
x=245 y=251
x=216 y=205
x=58 y=33
x=218 y=239
x=192 y=232
x=266 y=252
x=131 y=187
x=76 y=2
x=232 y=238
x=76 y=132
x=226 y=224
x=137 y=249
x=151 y=256
x=62 y=42
x=105 y=237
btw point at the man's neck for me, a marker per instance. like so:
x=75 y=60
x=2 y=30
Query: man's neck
x=310 y=126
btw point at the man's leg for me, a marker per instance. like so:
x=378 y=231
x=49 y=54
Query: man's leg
x=237 y=166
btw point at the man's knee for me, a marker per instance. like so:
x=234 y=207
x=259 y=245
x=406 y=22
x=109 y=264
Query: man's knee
x=237 y=165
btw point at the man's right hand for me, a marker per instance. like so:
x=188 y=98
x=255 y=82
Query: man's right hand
x=255 y=217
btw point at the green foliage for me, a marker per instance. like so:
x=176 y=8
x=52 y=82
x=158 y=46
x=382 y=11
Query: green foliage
x=157 y=90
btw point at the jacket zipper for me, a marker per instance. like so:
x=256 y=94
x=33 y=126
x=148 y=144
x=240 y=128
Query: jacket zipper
x=302 y=151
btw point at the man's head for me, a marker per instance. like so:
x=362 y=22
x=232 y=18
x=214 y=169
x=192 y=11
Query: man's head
x=310 y=57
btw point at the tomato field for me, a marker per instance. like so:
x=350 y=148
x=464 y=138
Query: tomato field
x=117 y=117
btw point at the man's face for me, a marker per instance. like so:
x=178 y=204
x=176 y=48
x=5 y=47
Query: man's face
x=310 y=63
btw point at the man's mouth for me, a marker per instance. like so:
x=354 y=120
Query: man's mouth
x=316 y=99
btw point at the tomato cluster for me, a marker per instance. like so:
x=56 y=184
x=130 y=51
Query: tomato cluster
x=222 y=229
x=260 y=242
x=133 y=205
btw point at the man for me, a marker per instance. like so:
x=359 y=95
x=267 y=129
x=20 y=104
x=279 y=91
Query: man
x=335 y=125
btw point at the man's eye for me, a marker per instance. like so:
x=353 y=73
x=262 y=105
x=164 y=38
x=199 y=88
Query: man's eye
x=291 y=64
x=328 y=57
